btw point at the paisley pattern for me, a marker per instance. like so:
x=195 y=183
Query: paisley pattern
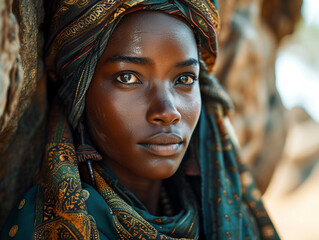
x=61 y=209
x=218 y=197
x=132 y=223
x=230 y=202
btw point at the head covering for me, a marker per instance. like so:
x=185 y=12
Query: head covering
x=221 y=203
x=80 y=31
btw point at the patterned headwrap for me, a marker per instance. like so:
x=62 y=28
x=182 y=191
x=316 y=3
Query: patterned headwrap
x=228 y=204
x=80 y=30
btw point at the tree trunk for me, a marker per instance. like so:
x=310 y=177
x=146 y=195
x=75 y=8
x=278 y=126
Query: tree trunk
x=22 y=99
x=248 y=41
x=251 y=31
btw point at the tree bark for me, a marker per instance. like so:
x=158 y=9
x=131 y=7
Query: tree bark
x=250 y=34
x=22 y=98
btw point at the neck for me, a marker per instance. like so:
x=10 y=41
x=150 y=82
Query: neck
x=146 y=190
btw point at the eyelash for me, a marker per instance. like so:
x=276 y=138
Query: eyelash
x=121 y=74
x=192 y=75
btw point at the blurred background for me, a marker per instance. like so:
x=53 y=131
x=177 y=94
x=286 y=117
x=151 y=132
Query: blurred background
x=268 y=64
x=292 y=196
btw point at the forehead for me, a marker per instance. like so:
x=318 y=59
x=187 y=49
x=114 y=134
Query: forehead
x=145 y=30
x=153 y=21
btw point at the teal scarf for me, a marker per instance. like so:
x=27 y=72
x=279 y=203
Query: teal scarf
x=218 y=197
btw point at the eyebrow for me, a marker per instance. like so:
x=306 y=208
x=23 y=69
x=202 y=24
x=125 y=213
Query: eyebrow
x=189 y=62
x=147 y=61
x=129 y=59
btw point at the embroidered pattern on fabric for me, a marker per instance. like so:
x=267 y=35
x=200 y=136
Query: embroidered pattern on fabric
x=128 y=223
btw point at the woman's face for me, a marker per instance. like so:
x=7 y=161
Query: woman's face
x=144 y=100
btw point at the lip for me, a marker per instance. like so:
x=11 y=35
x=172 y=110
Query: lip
x=163 y=144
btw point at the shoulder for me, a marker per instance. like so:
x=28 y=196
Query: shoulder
x=19 y=224
x=100 y=211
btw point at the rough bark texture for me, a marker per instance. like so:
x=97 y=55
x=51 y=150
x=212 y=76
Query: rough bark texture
x=22 y=98
x=11 y=72
x=249 y=38
x=281 y=16
x=250 y=34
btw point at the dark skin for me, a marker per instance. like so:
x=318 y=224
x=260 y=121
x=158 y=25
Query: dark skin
x=144 y=101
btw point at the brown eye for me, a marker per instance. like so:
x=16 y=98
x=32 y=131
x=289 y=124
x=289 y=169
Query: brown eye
x=186 y=79
x=127 y=78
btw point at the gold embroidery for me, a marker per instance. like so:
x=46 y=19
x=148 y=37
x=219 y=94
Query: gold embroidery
x=228 y=235
x=78 y=3
x=13 y=231
x=85 y=194
x=246 y=178
x=83 y=24
x=268 y=231
x=125 y=217
x=256 y=194
x=21 y=204
x=210 y=12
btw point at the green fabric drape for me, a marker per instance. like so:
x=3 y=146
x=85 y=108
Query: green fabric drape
x=222 y=202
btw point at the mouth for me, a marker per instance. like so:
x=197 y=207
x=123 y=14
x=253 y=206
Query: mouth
x=163 y=144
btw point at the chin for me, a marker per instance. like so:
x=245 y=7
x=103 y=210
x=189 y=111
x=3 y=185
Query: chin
x=163 y=169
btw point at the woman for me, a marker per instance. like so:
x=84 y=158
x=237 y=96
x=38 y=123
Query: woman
x=125 y=159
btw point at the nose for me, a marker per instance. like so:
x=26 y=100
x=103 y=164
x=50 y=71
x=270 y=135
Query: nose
x=162 y=109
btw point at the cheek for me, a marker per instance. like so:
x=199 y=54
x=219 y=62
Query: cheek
x=107 y=134
x=97 y=123
x=99 y=117
x=110 y=127
x=191 y=107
